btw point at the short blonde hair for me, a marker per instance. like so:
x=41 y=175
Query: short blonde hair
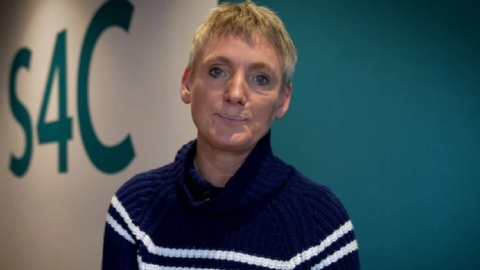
x=244 y=20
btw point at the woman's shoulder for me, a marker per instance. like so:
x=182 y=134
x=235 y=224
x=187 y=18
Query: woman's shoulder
x=141 y=190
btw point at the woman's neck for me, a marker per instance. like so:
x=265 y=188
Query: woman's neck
x=217 y=166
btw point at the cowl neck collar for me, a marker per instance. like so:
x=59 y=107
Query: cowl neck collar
x=251 y=183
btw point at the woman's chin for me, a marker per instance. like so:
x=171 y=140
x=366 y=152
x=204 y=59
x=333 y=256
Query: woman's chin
x=234 y=141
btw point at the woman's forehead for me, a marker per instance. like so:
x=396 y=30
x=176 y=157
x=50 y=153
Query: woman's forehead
x=236 y=48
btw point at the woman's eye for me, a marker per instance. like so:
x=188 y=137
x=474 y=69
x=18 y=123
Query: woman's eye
x=261 y=80
x=216 y=72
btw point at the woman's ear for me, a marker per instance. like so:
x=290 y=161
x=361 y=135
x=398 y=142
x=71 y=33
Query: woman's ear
x=185 y=90
x=285 y=96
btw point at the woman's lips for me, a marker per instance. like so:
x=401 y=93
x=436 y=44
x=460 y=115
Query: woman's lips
x=231 y=118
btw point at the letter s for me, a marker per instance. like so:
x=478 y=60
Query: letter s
x=19 y=166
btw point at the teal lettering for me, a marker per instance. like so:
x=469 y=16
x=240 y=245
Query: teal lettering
x=108 y=159
x=61 y=130
x=19 y=166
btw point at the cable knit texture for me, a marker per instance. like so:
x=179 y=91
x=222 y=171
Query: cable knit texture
x=268 y=216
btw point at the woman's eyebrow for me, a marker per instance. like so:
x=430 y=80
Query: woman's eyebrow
x=219 y=58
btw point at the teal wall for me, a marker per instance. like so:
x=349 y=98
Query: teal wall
x=386 y=112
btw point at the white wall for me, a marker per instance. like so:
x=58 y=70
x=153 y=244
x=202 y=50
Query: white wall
x=52 y=220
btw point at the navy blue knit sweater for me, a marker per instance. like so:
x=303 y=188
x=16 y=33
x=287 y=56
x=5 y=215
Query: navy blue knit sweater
x=268 y=216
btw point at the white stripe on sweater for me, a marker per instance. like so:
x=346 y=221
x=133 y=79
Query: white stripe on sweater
x=344 y=251
x=146 y=266
x=230 y=255
x=119 y=229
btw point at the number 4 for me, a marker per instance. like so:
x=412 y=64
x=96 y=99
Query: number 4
x=60 y=130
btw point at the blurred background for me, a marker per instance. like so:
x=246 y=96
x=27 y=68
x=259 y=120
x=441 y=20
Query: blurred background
x=385 y=111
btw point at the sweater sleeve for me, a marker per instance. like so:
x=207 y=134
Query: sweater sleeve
x=119 y=244
x=337 y=245
x=123 y=229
